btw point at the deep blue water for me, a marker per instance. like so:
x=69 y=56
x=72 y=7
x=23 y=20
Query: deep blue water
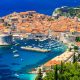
x=10 y=65
x=41 y=6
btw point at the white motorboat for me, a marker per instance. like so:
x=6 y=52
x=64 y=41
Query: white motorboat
x=16 y=55
x=22 y=38
x=14 y=51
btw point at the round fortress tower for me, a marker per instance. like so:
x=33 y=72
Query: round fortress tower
x=5 y=39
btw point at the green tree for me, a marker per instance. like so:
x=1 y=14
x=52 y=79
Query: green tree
x=74 y=78
x=61 y=68
x=56 y=73
x=74 y=58
x=39 y=77
x=76 y=48
x=49 y=75
x=77 y=39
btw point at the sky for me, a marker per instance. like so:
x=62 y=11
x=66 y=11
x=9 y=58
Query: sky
x=42 y=6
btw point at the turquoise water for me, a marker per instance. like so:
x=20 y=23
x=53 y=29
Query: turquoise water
x=26 y=60
x=27 y=76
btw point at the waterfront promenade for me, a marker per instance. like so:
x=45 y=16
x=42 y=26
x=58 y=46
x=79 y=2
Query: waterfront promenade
x=65 y=57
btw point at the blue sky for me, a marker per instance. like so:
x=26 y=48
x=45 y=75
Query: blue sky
x=43 y=6
x=10 y=4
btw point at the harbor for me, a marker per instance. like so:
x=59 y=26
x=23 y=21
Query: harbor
x=36 y=42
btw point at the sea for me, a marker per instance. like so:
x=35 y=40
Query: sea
x=41 y=6
x=15 y=63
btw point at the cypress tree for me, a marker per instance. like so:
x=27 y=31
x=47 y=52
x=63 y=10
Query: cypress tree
x=39 y=77
x=56 y=73
x=61 y=68
x=74 y=58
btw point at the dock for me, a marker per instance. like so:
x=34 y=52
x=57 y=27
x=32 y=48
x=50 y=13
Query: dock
x=35 y=49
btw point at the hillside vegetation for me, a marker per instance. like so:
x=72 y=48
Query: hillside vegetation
x=68 y=11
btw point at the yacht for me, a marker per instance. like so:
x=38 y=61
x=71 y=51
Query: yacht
x=16 y=74
x=22 y=38
x=14 y=51
x=16 y=55
x=16 y=44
